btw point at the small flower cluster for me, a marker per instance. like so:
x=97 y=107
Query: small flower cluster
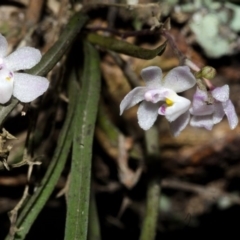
x=177 y=109
x=25 y=87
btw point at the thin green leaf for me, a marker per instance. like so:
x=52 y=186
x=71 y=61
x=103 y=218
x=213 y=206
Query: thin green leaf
x=86 y=113
x=50 y=59
x=124 y=47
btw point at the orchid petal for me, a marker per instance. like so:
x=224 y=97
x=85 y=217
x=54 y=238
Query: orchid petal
x=221 y=93
x=179 y=79
x=23 y=58
x=6 y=86
x=152 y=76
x=180 y=106
x=199 y=105
x=202 y=110
x=132 y=98
x=200 y=95
x=158 y=94
x=202 y=121
x=230 y=113
x=179 y=124
x=3 y=46
x=218 y=112
x=147 y=114
x=28 y=87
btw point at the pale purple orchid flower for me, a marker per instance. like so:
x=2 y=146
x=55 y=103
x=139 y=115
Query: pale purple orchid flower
x=205 y=115
x=158 y=89
x=24 y=87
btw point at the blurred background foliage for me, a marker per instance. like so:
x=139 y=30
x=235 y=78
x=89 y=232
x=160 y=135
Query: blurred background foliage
x=139 y=181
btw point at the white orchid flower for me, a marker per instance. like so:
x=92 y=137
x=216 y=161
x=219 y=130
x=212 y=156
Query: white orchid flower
x=159 y=89
x=24 y=87
x=205 y=115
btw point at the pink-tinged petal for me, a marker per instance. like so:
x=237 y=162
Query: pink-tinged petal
x=200 y=95
x=230 y=113
x=162 y=109
x=3 y=46
x=221 y=93
x=179 y=79
x=157 y=95
x=23 y=58
x=152 y=76
x=28 y=87
x=6 y=86
x=5 y=92
x=132 y=98
x=218 y=112
x=202 y=110
x=202 y=121
x=199 y=105
x=179 y=124
x=147 y=114
x=180 y=106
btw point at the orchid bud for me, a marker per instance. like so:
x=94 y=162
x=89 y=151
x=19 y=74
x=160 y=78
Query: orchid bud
x=208 y=72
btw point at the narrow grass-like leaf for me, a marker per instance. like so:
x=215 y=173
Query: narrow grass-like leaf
x=113 y=44
x=50 y=59
x=40 y=197
x=86 y=113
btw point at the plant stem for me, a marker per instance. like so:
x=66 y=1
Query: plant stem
x=154 y=188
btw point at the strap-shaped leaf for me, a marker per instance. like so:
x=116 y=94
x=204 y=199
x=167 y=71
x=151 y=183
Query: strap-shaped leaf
x=124 y=47
x=80 y=176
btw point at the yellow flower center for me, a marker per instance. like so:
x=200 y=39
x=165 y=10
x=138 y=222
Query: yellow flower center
x=169 y=102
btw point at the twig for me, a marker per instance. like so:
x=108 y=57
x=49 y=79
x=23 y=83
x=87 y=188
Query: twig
x=5 y=150
x=14 y=213
x=64 y=190
x=208 y=192
x=125 y=34
x=127 y=176
x=57 y=25
x=174 y=47
x=34 y=11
